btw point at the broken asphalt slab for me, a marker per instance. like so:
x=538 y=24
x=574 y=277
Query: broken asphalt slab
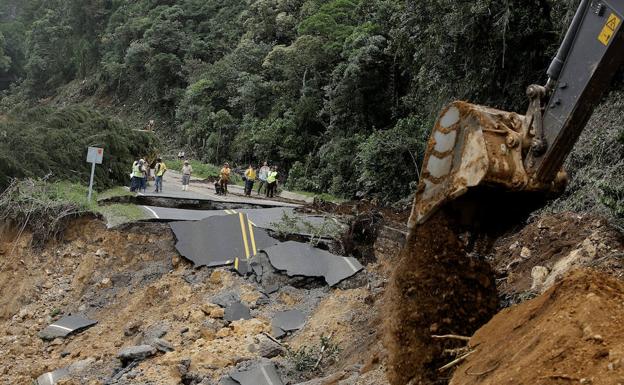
x=264 y=374
x=51 y=378
x=66 y=326
x=135 y=353
x=287 y=321
x=219 y=240
x=301 y=259
x=237 y=311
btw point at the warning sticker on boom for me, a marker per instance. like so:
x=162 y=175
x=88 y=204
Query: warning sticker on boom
x=609 y=29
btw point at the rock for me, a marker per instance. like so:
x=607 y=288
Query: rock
x=217 y=313
x=208 y=308
x=135 y=353
x=268 y=348
x=539 y=275
x=101 y=253
x=525 y=253
x=163 y=345
x=224 y=332
x=132 y=328
x=514 y=245
x=106 y=283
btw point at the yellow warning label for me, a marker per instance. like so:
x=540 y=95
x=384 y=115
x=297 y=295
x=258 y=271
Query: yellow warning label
x=609 y=29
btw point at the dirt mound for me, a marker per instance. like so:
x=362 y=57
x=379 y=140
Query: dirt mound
x=569 y=335
x=534 y=257
x=436 y=289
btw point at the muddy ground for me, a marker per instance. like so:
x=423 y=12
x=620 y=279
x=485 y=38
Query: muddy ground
x=132 y=281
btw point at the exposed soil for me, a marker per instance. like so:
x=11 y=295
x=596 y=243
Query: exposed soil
x=436 y=290
x=533 y=258
x=132 y=281
x=569 y=335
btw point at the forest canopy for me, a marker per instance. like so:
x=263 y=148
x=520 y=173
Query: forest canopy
x=340 y=93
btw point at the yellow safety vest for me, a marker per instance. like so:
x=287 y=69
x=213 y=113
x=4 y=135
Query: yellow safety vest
x=136 y=171
x=272 y=177
x=250 y=174
x=162 y=169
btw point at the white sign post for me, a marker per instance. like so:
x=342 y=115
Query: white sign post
x=95 y=155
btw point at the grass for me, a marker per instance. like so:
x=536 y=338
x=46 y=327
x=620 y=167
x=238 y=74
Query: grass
x=324 y=196
x=51 y=198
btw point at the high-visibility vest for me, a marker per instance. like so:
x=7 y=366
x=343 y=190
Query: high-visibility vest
x=136 y=170
x=250 y=174
x=272 y=177
x=162 y=167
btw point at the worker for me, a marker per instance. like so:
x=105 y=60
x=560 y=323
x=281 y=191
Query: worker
x=159 y=171
x=272 y=182
x=250 y=179
x=145 y=172
x=137 y=175
x=187 y=170
x=225 y=178
x=262 y=176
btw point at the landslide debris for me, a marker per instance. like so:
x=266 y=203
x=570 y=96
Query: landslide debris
x=146 y=298
x=531 y=259
x=436 y=289
x=572 y=334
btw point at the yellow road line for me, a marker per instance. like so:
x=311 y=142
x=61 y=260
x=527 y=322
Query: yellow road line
x=252 y=237
x=244 y=232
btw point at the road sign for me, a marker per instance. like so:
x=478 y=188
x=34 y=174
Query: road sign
x=95 y=155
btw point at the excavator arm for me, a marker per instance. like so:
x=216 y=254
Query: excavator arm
x=474 y=146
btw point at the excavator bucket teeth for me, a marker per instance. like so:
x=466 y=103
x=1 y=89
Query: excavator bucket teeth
x=470 y=146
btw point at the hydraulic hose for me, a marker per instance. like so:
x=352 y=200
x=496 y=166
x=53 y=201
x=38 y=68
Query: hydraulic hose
x=562 y=54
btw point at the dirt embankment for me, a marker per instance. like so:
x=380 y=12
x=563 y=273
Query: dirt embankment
x=572 y=334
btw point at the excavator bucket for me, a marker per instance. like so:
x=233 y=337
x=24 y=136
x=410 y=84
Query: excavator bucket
x=469 y=146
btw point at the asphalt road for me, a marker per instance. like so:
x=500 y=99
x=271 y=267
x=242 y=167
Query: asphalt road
x=172 y=188
x=264 y=218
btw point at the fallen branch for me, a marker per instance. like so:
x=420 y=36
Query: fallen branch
x=451 y=337
x=318 y=362
x=456 y=361
x=273 y=339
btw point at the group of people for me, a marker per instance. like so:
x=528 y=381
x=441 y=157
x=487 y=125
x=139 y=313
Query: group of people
x=141 y=171
x=266 y=177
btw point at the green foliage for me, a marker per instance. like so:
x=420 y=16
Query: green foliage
x=389 y=160
x=289 y=224
x=53 y=142
x=311 y=359
x=339 y=93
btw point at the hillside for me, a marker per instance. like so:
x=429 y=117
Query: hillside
x=337 y=92
x=416 y=226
